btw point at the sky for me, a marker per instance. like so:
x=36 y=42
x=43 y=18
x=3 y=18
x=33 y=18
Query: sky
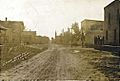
x=48 y=16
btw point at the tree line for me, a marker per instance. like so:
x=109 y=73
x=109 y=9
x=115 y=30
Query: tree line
x=73 y=36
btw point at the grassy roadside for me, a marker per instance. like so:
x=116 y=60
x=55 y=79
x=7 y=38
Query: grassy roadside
x=106 y=66
x=20 y=53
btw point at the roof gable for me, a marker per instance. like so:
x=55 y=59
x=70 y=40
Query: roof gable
x=115 y=2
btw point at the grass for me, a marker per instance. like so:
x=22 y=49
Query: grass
x=14 y=55
x=105 y=62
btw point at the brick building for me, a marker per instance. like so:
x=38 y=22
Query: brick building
x=28 y=37
x=42 y=40
x=91 y=28
x=112 y=23
x=13 y=32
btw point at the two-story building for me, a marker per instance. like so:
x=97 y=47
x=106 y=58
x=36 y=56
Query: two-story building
x=13 y=34
x=112 y=23
x=92 y=29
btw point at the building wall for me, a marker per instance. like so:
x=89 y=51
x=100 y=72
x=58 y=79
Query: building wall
x=42 y=40
x=112 y=24
x=29 y=37
x=2 y=35
x=88 y=25
x=26 y=39
x=8 y=36
x=13 y=34
x=89 y=37
x=91 y=28
x=38 y=39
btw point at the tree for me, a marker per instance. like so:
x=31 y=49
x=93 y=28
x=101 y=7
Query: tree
x=75 y=38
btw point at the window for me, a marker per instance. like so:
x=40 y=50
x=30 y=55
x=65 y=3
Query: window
x=106 y=35
x=109 y=18
x=118 y=20
x=115 y=35
x=118 y=16
x=119 y=26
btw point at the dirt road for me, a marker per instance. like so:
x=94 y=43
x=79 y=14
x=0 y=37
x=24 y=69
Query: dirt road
x=57 y=63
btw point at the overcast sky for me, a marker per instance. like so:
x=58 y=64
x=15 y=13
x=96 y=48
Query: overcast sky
x=46 y=16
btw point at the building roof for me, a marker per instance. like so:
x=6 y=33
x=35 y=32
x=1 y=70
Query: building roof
x=29 y=32
x=92 y=20
x=10 y=24
x=112 y=3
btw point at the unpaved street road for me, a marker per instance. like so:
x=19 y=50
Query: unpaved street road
x=57 y=63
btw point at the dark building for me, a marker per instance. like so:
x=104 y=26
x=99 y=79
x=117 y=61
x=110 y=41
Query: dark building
x=112 y=23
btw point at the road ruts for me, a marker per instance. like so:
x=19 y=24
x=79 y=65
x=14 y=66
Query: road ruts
x=57 y=63
x=24 y=69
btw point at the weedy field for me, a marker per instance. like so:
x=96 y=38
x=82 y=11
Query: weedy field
x=15 y=54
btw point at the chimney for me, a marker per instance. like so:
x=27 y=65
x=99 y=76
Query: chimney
x=5 y=18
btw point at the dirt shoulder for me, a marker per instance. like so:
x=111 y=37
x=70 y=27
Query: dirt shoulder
x=106 y=66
